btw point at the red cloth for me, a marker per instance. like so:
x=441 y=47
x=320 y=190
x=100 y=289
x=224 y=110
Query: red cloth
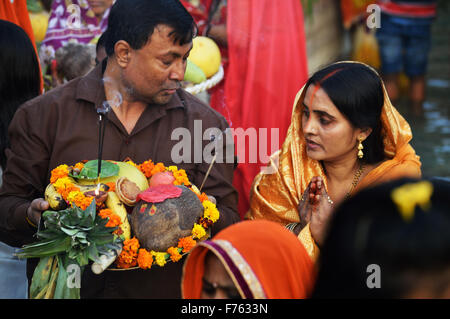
x=267 y=66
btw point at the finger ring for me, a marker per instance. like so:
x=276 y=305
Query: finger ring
x=330 y=200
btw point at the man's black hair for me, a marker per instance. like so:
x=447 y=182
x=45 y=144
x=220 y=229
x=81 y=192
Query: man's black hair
x=135 y=20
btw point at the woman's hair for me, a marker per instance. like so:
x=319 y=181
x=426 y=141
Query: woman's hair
x=357 y=91
x=20 y=78
x=372 y=235
x=135 y=20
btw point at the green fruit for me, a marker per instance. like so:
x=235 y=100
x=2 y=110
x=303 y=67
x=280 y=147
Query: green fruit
x=193 y=73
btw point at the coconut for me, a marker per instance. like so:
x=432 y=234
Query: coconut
x=159 y=226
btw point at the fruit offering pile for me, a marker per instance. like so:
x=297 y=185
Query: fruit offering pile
x=131 y=216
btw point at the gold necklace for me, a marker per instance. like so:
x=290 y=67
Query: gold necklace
x=355 y=180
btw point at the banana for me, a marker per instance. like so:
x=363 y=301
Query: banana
x=41 y=277
x=57 y=202
x=125 y=170
x=113 y=202
x=54 y=199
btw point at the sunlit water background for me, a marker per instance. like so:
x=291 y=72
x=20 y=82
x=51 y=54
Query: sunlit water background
x=431 y=132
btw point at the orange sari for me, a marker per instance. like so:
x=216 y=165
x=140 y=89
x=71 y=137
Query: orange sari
x=276 y=193
x=264 y=260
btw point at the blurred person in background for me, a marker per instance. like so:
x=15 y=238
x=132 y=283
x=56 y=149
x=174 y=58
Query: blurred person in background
x=20 y=80
x=404 y=39
x=73 y=60
x=73 y=20
x=390 y=241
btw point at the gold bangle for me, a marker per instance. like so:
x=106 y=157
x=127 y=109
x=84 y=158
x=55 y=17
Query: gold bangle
x=30 y=222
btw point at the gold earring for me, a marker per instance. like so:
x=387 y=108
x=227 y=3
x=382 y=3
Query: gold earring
x=360 y=148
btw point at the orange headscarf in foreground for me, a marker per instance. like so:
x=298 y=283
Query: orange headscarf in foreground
x=263 y=259
x=276 y=193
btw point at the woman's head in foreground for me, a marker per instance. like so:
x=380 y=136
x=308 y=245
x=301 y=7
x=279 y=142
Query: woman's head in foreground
x=252 y=260
x=391 y=241
x=342 y=105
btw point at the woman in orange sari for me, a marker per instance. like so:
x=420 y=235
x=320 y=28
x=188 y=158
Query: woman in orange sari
x=249 y=260
x=345 y=135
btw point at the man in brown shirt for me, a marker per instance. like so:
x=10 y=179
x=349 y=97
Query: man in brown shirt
x=140 y=79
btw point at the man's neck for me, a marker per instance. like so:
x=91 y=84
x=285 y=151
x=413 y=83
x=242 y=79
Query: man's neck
x=127 y=109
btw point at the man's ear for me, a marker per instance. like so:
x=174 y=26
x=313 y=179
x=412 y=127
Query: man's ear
x=122 y=53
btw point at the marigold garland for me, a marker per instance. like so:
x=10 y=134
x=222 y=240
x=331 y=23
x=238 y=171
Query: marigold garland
x=132 y=255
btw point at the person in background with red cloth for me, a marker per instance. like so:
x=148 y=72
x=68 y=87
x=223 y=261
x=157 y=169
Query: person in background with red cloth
x=16 y=12
x=267 y=63
x=210 y=17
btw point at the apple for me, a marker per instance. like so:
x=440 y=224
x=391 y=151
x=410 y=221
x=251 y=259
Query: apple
x=162 y=178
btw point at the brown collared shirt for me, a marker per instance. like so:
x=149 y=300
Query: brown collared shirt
x=61 y=127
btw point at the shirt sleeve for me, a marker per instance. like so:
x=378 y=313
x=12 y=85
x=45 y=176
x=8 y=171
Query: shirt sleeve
x=25 y=174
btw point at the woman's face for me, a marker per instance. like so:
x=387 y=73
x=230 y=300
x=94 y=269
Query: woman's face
x=329 y=135
x=217 y=284
x=99 y=6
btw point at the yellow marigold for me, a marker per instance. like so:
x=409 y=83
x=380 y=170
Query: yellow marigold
x=172 y=168
x=198 y=231
x=59 y=172
x=64 y=186
x=144 y=259
x=174 y=254
x=146 y=168
x=180 y=177
x=210 y=211
x=159 y=167
x=132 y=163
x=187 y=243
x=160 y=258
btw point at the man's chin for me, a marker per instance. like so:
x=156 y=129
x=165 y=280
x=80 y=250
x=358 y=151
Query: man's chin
x=162 y=99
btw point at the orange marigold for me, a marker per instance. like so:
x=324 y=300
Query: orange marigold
x=114 y=219
x=146 y=168
x=181 y=177
x=174 y=254
x=202 y=197
x=79 y=165
x=59 y=172
x=187 y=243
x=159 y=167
x=144 y=259
x=112 y=186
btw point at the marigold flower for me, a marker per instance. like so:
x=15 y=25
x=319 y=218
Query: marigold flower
x=180 y=177
x=202 y=197
x=146 y=168
x=159 y=167
x=210 y=211
x=112 y=186
x=187 y=243
x=160 y=258
x=198 y=231
x=144 y=259
x=79 y=165
x=59 y=172
x=174 y=254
